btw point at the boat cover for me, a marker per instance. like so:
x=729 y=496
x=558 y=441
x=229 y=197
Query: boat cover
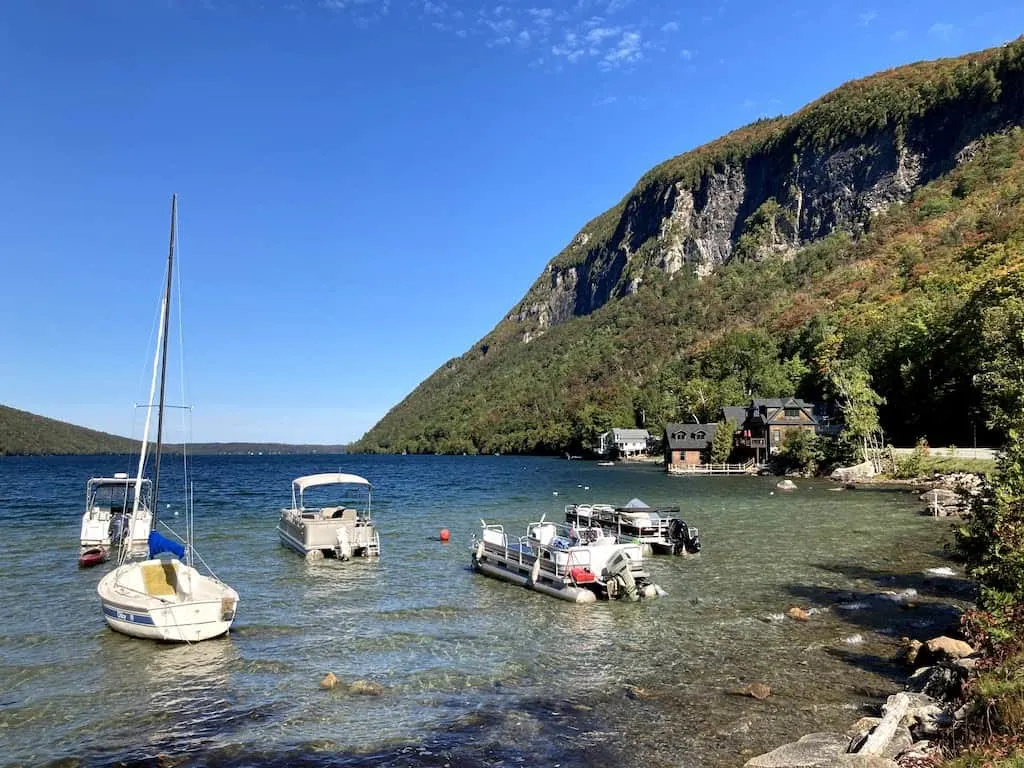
x=159 y=543
x=635 y=504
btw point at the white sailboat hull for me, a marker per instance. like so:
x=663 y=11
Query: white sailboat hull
x=164 y=599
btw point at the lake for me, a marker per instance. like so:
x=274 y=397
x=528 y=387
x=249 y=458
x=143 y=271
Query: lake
x=475 y=672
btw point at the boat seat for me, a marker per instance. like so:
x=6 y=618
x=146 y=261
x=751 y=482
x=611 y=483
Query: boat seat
x=160 y=579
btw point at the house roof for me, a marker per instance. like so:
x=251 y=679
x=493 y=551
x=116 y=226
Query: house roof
x=737 y=414
x=683 y=437
x=762 y=407
x=630 y=434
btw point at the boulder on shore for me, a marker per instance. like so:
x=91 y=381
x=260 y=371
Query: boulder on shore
x=815 y=750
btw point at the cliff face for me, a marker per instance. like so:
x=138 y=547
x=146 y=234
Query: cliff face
x=787 y=190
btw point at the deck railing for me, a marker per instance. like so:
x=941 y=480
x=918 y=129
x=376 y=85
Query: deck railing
x=749 y=467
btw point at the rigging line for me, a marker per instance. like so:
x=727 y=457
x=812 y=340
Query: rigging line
x=186 y=415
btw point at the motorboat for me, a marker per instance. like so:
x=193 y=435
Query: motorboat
x=111 y=515
x=659 y=530
x=574 y=563
x=339 y=530
x=164 y=597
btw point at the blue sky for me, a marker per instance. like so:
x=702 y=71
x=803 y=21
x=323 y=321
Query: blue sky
x=366 y=186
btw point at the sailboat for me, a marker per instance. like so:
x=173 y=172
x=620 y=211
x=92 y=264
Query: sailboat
x=164 y=597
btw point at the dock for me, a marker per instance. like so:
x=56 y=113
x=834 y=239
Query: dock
x=749 y=468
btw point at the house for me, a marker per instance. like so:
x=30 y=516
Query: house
x=688 y=445
x=624 y=442
x=769 y=420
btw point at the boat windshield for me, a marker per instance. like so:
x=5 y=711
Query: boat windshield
x=117 y=494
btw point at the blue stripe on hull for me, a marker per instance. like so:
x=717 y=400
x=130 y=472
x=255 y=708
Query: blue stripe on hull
x=128 y=616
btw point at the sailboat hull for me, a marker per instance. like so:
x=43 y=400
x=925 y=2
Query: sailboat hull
x=164 y=599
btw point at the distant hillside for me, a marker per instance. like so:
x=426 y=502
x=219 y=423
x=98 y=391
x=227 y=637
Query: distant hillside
x=879 y=229
x=24 y=433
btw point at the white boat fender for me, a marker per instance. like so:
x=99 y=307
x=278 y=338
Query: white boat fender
x=535 y=571
x=479 y=551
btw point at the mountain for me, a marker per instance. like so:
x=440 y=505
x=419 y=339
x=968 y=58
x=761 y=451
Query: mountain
x=865 y=230
x=24 y=433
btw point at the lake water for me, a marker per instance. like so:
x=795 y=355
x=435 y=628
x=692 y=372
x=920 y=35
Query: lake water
x=475 y=672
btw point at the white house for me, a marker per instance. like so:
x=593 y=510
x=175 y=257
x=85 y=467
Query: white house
x=626 y=442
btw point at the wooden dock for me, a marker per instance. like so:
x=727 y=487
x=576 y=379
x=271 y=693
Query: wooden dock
x=749 y=468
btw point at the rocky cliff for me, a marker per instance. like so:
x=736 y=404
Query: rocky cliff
x=779 y=184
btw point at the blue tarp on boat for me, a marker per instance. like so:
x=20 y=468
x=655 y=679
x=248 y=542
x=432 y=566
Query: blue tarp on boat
x=159 y=543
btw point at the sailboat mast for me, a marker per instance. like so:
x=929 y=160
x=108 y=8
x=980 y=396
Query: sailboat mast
x=163 y=356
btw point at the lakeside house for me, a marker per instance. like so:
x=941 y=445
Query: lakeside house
x=688 y=445
x=760 y=430
x=769 y=420
x=624 y=442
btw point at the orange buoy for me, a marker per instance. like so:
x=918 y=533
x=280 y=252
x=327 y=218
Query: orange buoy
x=445 y=535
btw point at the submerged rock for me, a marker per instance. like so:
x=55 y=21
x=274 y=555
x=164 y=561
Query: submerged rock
x=799 y=614
x=329 y=681
x=757 y=691
x=366 y=688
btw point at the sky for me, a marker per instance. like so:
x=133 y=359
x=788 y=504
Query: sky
x=366 y=187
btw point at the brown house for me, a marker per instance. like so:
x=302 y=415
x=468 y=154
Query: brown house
x=688 y=445
x=769 y=420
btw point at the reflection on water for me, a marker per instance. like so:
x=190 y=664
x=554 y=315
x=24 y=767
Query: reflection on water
x=459 y=666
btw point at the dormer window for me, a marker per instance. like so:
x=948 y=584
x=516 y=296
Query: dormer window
x=698 y=435
x=792 y=413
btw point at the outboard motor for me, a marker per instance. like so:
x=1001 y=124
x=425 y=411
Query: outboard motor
x=683 y=537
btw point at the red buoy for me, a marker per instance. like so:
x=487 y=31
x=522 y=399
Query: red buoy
x=445 y=535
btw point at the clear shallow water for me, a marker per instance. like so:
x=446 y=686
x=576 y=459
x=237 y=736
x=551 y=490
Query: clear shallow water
x=474 y=671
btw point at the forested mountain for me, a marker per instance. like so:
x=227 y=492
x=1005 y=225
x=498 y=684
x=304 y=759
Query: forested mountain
x=874 y=239
x=24 y=433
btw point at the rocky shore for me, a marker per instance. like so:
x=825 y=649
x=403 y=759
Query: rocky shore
x=905 y=732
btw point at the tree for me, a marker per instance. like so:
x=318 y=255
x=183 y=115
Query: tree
x=992 y=543
x=851 y=383
x=801 y=450
x=721 y=443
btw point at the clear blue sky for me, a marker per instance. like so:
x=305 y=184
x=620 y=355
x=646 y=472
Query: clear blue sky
x=366 y=186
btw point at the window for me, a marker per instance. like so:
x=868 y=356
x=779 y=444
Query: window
x=698 y=435
x=792 y=413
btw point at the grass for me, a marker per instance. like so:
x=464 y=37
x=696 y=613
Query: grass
x=948 y=464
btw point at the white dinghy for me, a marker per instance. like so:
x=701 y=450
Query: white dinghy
x=342 y=530
x=165 y=597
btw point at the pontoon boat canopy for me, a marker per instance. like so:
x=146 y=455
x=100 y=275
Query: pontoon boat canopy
x=100 y=481
x=327 y=478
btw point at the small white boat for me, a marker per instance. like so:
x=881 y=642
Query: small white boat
x=111 y=514
x=164 y=597
x=659 y=530
x=342 y=530
x=576 y=564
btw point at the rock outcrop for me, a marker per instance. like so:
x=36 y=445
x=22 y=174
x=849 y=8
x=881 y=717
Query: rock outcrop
x=767 y=189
